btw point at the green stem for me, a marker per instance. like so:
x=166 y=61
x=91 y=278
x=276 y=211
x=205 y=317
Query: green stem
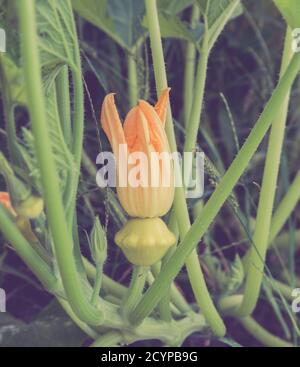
x=165 y=302
x=98 y=283
x=27 y=253
x=77 y=143
x=78 y=129
x=285 y=208
x=282 y=213
x=84 y=327
x=173 y=295
x=132 y=80
x=55 y=211
x=189 y=71
x=39 y=267
x=78 y=113
x=222 y=192
x=282 y=289
x=195 y=274
x=262 y=335
x=230 y=303
x=63 y=101
x=176 y=297
x=169 y=333
x=195 y=114
x=109 y=285
x=135 y=291
x=64 y=111
x=267 y=196
x=282 y=241
x=164 y=307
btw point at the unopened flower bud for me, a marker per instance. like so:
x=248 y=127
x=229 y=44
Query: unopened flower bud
x=98 y=243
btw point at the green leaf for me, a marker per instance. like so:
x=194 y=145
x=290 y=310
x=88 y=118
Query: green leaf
x=290 y=10
x=174 y=6
x=218 y=13
x=127 y=18
x=63 y=157
x=237 y=275
x=120 y=20
x=57 y=36
x=215 y=9
x=172 y=27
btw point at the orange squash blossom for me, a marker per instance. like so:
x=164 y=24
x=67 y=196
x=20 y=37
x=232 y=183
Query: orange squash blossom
x=145 y=239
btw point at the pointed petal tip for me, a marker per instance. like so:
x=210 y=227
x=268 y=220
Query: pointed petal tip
x=111 y=122
x=162 y=105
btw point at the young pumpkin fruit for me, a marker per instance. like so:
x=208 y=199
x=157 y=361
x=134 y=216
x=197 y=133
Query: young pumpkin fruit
x=145 y=241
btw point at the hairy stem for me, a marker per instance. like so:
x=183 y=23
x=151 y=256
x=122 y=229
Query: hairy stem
x=55 y=211
x=189 y=68
x=135 y=290
x=97 y=284
x=63 y=101
x=197 y=102
x=132 y=80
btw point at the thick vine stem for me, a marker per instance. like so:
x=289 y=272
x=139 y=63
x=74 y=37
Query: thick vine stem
x=135 y=291
x=63 y=101
x=132 y=80
x=189 y=68
x=55 y=211
x=266 y=198
x=229 y=304
x=195 y=274
x=196 y=108
x=285 y=208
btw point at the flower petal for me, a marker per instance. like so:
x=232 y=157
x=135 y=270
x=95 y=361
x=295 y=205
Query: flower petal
x=158 y=136
x=131 y=129
x=5 y=201
x=111 y=123
x=161 y=106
